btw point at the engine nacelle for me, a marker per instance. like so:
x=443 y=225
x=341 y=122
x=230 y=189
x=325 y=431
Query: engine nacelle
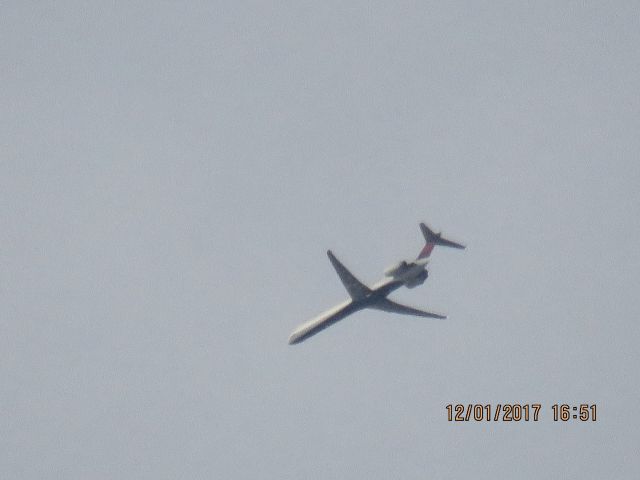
x=397 y=269
x=417 y=280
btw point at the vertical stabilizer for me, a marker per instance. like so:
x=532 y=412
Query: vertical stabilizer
x=432 y=239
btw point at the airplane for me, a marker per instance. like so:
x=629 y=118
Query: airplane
x=404 y=273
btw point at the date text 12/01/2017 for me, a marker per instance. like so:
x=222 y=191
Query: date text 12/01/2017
x=516 y=412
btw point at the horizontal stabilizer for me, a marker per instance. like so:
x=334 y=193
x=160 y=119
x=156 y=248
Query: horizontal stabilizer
x=355 y=287
x=388 y=306
x=432 y=239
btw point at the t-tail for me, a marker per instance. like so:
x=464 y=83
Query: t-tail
x=432 y=239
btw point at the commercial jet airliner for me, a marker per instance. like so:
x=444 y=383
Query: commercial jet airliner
x=405 y=273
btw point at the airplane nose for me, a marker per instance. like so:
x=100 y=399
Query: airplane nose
x=293 y=339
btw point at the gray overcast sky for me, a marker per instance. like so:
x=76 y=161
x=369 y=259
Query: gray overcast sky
x=172 y=173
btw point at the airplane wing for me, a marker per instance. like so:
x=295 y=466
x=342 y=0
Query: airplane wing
x=322 y=321
x=355 y=287
x=388 y=306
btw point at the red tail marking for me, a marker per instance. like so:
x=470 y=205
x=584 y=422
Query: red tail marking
x=426 y=251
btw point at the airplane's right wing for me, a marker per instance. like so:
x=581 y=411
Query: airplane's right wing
x=322 y=321
x=388 y=306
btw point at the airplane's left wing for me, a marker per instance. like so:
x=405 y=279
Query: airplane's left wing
x=355 y=287
x=388 y=306
x=322 y=321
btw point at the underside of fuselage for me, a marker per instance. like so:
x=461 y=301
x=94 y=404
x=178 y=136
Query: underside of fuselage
x=324 y=320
